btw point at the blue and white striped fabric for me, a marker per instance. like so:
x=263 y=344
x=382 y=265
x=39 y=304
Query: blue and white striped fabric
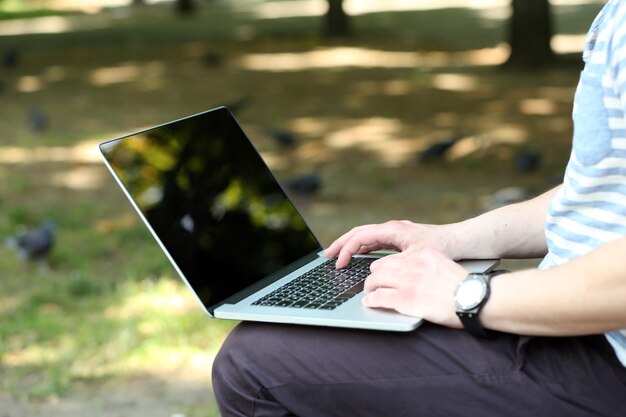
x=590 y=209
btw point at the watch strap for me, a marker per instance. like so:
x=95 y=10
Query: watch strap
x=472 y=324
x=470 y=319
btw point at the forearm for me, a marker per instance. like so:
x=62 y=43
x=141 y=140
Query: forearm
x=514 y=231
x=584 y=296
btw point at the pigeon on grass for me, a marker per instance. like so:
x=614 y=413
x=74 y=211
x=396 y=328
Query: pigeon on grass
x=34 y=245
x=305 y=185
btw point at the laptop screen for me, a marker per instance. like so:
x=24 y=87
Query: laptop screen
x=212 y=202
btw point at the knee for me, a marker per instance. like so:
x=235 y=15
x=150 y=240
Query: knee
x=236 y=374
x=227 y=373
x=255 y=357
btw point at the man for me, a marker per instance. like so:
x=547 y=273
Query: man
x=504 y=358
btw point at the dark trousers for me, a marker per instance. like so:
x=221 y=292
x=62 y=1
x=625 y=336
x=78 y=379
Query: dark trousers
x=282 y=370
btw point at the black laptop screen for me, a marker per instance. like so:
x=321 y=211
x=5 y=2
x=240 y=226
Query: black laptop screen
x=212 y=202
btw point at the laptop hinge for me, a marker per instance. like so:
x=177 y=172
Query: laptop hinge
x=234 y=299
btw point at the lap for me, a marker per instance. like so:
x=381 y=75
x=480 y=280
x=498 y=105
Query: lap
x=430 y=371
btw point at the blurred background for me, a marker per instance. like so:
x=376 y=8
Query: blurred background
x=429 y=110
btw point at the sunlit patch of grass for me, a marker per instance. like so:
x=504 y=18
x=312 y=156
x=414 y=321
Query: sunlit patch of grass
x=69 y=330
x=7 y=14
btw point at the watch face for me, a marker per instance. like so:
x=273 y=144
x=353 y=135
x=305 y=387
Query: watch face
x=470 y=293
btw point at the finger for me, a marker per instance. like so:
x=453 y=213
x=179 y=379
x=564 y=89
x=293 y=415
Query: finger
x=376 y=281
x=382 y=298
x=344 y=262
x=372 y=237
x=357 y=244
x=389 y=262
x=365 y=248
x=335 y=247
x=364 y=240
x=392 y=299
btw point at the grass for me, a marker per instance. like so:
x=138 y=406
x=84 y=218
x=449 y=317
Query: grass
x=30 y=14
x=112 y=306
x=78 y=330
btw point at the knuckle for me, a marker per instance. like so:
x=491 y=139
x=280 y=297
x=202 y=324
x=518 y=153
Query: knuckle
x=395 y=224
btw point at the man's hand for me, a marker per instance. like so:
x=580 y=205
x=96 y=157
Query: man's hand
x=417 y=282
x=397 y=235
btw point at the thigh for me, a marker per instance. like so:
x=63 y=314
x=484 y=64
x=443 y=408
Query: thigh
x=583 y=371
x=431 y=371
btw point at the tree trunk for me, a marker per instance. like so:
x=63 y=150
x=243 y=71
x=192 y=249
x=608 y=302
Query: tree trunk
x=530 y=33
x=337 y=23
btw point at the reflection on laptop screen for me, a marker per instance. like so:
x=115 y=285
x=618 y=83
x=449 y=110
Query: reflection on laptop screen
x=212 y=202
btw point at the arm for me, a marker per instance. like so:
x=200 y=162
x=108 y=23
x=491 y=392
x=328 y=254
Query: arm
x=514 y=231
x=584 y=296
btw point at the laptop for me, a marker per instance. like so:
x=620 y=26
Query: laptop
x=231 y=232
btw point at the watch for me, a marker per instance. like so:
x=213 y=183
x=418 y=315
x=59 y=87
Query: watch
x=469 y=297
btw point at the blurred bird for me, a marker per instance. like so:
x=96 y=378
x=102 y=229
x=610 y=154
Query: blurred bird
x=438 y=150
x=283 y=138
x=38 y=121
x=527 y=161
x=34 y=245
x=10 y=58
x=507 y=196
x=306 y=185
x=212 y=59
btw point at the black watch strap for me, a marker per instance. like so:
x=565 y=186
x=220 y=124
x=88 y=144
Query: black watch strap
x=472 y=324
x=470 y=319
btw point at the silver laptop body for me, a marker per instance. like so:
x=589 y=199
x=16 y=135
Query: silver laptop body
x=227 y=226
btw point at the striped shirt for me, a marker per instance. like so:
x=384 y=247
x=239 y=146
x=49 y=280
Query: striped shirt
x=590 y=208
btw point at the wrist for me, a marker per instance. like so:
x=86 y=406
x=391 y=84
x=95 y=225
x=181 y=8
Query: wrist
x=458 y=240
x=470 y=297
x=496 y=314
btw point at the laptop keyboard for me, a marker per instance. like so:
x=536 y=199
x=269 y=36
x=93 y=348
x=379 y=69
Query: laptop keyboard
x=322 y=288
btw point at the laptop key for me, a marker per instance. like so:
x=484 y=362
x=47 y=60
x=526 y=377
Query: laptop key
x=322 y=288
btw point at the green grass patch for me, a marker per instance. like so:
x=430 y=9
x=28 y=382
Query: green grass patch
x=30 y=14
x=68 y=330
